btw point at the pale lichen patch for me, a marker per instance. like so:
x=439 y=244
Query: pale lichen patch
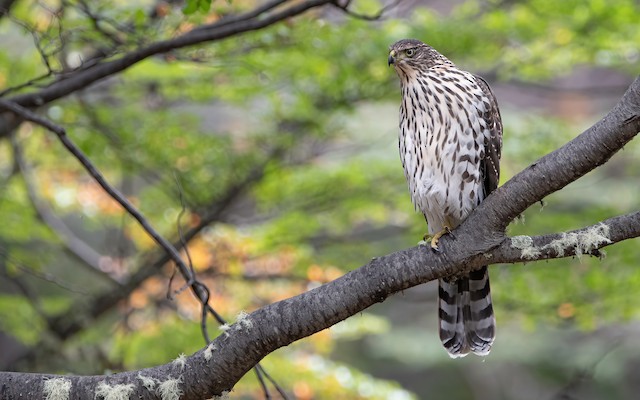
x=244 y=321
x=208 y=352
x=525 y=244
x=582 y=242
x=170 y=389
x=225 y=328
x=57 y=389
x=115 y=392
x=147 y=382
x=181 y=361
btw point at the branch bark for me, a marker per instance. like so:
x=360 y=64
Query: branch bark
x=479 y=241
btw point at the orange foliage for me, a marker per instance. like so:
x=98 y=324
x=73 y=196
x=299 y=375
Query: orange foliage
x=302 y=390
x=566 y=310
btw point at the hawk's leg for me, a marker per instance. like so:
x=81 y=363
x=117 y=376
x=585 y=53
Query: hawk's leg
x=435 y=238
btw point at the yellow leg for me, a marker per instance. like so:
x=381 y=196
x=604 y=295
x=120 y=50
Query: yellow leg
x=435 y=238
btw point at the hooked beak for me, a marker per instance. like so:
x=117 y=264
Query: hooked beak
x=391 y=59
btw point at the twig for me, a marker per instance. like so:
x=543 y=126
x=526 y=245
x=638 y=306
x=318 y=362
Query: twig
x=184 y=246
x=78 y=248
x=27 y=292
x=263 y=384
x=256 y=12
x=274 y=383
x=374 y=17
x=41 y=275
x=583 y=375
x=30 y=82
x=97 y=175
x=96 y=20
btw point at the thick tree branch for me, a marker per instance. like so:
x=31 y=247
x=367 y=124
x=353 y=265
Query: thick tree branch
x=557 y=169
x=478 y=241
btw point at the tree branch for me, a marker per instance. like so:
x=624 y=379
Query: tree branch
x=83 y=78
x=76 y=247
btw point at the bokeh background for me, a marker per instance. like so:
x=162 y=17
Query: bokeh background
x=284 y=142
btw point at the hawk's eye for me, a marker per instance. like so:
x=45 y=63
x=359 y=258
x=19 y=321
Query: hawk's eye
x=409 y=52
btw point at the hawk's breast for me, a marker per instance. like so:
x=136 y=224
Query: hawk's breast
x=442 y=140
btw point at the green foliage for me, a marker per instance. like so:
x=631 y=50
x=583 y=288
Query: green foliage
x=533 y=39
x=192 y=6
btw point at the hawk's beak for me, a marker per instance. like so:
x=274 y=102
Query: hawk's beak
x=392 y=59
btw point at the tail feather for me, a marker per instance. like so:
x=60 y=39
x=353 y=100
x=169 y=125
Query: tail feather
x=467 y=323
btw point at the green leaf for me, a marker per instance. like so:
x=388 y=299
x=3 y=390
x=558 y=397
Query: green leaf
x=193 y=6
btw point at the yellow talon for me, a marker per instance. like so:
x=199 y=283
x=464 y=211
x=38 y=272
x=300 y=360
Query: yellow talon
x=435 y=238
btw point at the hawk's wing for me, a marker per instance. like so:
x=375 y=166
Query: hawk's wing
x=490 y=165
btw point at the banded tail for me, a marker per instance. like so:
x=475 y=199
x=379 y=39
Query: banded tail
x=466 y=319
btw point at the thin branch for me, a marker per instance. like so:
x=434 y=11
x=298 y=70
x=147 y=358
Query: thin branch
x=259 y=370
x=263 y=385
x=76 y=247
x=96 y=21
x=284 y=394
x=256 y=12
x=365 y=17
x=30 y=82
x=27 y=292
x=586 y=241
x=72 y=320
x=585 y=374
x=28 y=115
x=44 y=276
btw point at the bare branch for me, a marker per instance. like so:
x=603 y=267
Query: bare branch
x=256 y=12
x=365 y=17
x=28 y=115
x=76 y=247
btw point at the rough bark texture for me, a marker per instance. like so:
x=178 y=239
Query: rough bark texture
x=480 y=240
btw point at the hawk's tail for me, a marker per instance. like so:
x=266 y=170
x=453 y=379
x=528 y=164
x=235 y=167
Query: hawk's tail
x=466 y=315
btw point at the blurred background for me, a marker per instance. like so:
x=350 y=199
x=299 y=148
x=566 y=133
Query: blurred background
x=275 y=153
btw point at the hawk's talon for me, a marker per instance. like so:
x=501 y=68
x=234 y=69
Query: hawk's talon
x=436 y=238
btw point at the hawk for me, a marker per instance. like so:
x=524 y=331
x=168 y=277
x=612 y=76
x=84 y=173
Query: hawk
x=450 y=141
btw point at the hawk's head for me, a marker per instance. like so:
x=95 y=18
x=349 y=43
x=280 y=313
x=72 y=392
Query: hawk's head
x=413 y=54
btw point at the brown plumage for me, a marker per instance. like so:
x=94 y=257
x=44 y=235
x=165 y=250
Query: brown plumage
x=450 y=141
